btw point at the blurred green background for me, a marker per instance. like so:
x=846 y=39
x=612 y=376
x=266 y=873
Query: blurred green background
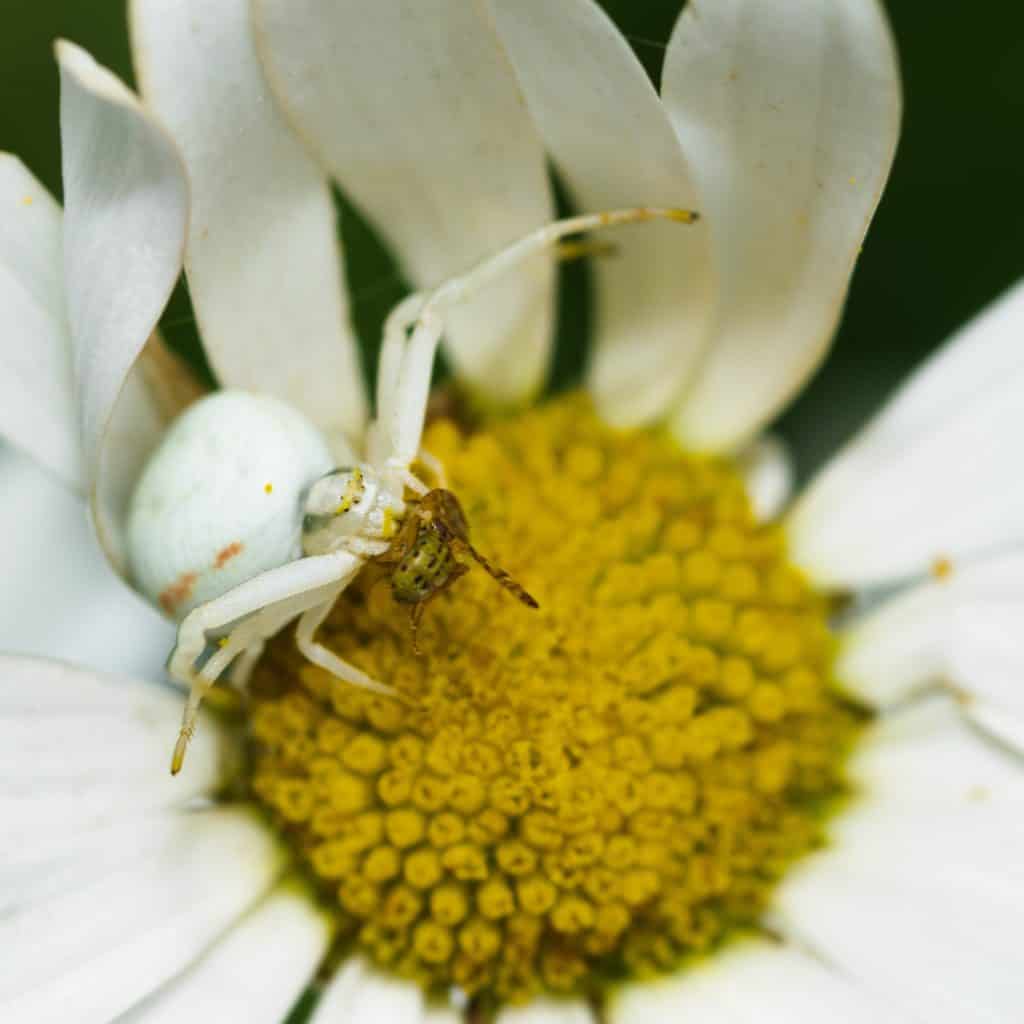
x=948 y=237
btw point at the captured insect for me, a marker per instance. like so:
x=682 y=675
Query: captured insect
x=239 y=524
x=425 y=556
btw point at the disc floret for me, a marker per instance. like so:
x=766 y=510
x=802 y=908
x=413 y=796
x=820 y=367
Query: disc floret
x=605 y=785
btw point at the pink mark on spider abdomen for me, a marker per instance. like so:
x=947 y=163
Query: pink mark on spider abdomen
x=177 y=592
x=227 y=553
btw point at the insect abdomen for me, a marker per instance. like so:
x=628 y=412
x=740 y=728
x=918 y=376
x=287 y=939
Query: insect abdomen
x=425 y=568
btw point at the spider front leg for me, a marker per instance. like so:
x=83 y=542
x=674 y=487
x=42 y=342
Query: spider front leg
x=259 y=608
x=310 y=621
x=409 y=410
x=389 y=372
x=434 y=467
x=404 y=388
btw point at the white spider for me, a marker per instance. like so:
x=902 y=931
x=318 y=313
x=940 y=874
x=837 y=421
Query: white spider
x=240 y=524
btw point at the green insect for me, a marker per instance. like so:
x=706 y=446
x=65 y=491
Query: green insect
x=425 y=556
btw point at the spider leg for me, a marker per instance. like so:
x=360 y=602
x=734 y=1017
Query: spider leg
x=309 y=623
x=259 y=607
x=413 y=389
x=366 y=548
x=412 y=481
x=404 y=412
x=241 y=670
x=389 y=372
x=433 y=466
x=402 y=542
x=457 y=288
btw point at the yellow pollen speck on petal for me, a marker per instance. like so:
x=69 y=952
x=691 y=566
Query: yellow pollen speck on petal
x=942 y=568
x=268 y=488
x=27 y=200
x=603 y=786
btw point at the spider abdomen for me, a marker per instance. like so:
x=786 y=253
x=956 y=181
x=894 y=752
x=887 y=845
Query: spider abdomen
x=220 y=499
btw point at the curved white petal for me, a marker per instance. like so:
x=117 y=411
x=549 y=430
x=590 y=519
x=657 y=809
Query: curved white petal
x=609 y=136
x=40 y=866
x=922 y=763
x=125 y=218
x=1005 y=726
x=751 y=981
x=926 y=917
x=37 y=405
x=767 y=469
x=547 y=1011
x=788 y=112
x=963 y=629
x=103 y=948
x=255 y=973
x=360 y=994
x=898 y=647
x=61 y=600
x=933 y=476
x=94 y=755
x=413 y=108
x=263 y=262
x=133 y=432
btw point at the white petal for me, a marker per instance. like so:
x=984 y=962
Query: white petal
x=264 y=266
x=962 y=628
x=413 y=108
x=133 y=432
x=788 y=113
x=750 y=981
x=64 y=857
x=613 y=143
x=103 y=948
x=767 y=468
x=255 y=973
x=96 y=754
x=37 y=407
x=922 y=763
x=360 y=994
x=1005 y=726
x=928 y=918
x=934 y=475
x=547 y=1011
x=60 y=599
x=125 y=217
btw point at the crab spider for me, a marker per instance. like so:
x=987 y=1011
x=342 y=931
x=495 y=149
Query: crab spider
x=235 y=571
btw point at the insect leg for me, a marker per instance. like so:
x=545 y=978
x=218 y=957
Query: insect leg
x=416 y=611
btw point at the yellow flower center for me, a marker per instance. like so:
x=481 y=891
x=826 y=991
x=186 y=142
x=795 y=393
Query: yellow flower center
x=601 y=786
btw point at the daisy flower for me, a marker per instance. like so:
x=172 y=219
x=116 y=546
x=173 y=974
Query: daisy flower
x=752 y=757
